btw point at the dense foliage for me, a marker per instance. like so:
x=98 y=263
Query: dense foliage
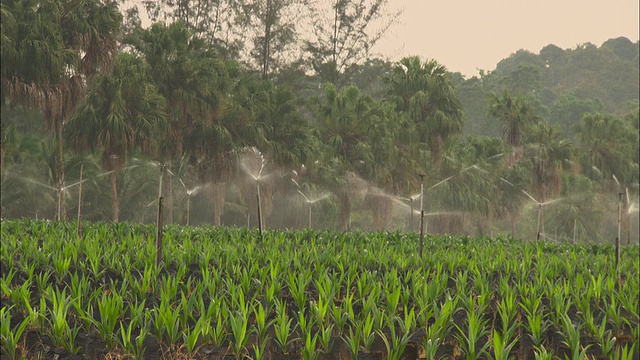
x=307 y=294
x=545 y=145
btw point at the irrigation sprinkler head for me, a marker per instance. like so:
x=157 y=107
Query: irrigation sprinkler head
x=193 y=191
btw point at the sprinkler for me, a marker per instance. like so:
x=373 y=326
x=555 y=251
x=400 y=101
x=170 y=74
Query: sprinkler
x=539 y=233
x=256 y=177
x=190 y=192
x=309 y=202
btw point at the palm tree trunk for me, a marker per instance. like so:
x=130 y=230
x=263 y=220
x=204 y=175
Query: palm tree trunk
x=266 y=201
x=218 y=194
x=115 y=206
x=345 y=209
x=3 y=153
x=381 y=212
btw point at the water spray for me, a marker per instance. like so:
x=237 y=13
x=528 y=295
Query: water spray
x=309 y=201
x=190 y=192
x=244 y=166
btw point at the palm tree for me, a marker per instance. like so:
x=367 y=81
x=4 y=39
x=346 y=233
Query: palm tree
x=49 y=50
x=123 y=112
x=278 y=131
x=608 y=146
x=426 y=93
x=191 y=78
x=343 y=120
x=550 y=156
x=516 y=115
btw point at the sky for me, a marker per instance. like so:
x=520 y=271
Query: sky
x=467 y=35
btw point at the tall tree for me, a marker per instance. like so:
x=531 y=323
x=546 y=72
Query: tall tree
x=123 y=111
x=516 y=115
x=550 y=156
x=49 y=50
x=215 y=21
x=344 y=33
x=272 y=25
x=609 y=147
x=190 y=76
x=278 y=131
x=425 y=92
x=355 y=128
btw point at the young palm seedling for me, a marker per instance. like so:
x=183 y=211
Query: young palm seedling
x=239 y=323
x=502 y=346
x=571 y=336
x=309 y=351
x=468 y=337
x=11 y=337
x=324 y=336
x=396 y=342
x=110 y=307
x=282 y=328
x=63 y=334
x=353 y=340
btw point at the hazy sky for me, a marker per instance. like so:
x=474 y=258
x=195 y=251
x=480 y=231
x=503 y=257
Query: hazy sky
x=466 y=35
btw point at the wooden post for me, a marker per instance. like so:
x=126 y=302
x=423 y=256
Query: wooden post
x=79 y=229
x=259 y=209
x=421 y=215
x=539 y=214
x=618 y=237
x=159 y=221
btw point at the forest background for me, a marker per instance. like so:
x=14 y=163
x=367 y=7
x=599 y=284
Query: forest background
x=286 y=97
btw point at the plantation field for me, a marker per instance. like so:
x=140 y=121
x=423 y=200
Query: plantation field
x=225 y=293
